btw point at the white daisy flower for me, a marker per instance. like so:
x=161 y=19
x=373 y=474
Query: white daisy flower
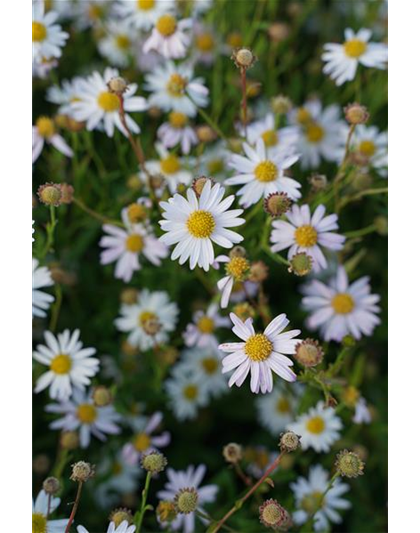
x=341 y=60
x=319 y=428
x=309 y=495
x=200 y=332
x=205 y=44
x=41 y=277
x=339 y=309
x=70 y=365
x=44 y=506
x=322 y=133
x=170 y=167
x=206 y=364
x=304 y=233
x=45 y=131
x=144 y=442
x=175 y=89
x=169 y=37
x=191 y=478
x=112 y=528
x=277 y=409
x=143 y=14
x=81 y=413
x=126 y=245
x=236 y=268
x=117 y=45
x=149 y=320
x=198 y=7
x=371 y=148
x=47 y=37
x=214 y=161
x=276 y=140
x=260 y=353
x=64 y=95
x=91 y=13
x=187 y=393
x=362 y=414
x=41 y=70
x=177 y=131
x=65 y=10
x=261 y=174
x=193 y=224
x=100 y=108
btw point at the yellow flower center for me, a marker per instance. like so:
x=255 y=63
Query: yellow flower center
x=39 y=523
x=312 y=502
x=351 y=395
x=190 y=392
x=205 y=324
x=342 y=303
x=283 y=406
x=61 y=364
x=201 y=224
x=205 y=42
x=215 y=166
x=258 y=347
x=108 y=102
x=176 y=85
x=314 y=133
x=145 y=5
x=262 y=458
x=210 y=365
x=266 y=171
x=367 y=148
x=95 y=11
x=237 y=267
x=306 y=236
x=39 y=32
x=122 y=42
x=136 y=213
x=355 y=48
x=86 y=413
x=116 y=469
x=303 y=116
x=177 y=120
x=234 y=39
x=45 y=127
x=315 y=425
x=170 y=164
x=270 y=138
x=145 y=317
x=134 y=243
x=166 y=25
x=142 y=442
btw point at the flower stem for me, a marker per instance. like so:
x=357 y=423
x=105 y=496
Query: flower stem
x=94 y=214
x=75 y=506
x=144 y=507
x=244 y=100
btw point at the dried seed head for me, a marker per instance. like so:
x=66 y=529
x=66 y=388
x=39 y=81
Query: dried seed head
x=237 y=251
x=154 y=462
x=51 y=485
x=243 y=58
x=356 y=114
x=277 y=204
x=186 y=500
x=309 y=353
x=198 y=184
x=136 y=213
x=272 y=514
x=232 y=452
x=117 y=85
x=129 y=296
x=281 y=104
x=120 y=515
x=69 y=440
x=244 y=310
x=258 y=272
x=67 y=192
x=166 y=511
x=349 y=464
x=102 y=396
x=82 y=471
x=41 y=464
x=50 y=194
x=289 y=441
x=318 y=182
x=300 y=264
x=205 y=134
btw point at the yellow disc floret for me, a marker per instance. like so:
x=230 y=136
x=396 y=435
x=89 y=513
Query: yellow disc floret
x=201 y=224
x=342 y=303
x=205 y=42
x=270 y=138
x=86 y=413
x=238 y=268
x=306 y=236
x=266 y=171
x=283 y=406
x=146 y=5
x=122 y=42
x=166 y=25
x=210 y=365
x=205 y=324
x=134 y=243
x=314 y=133
x=108 y=102
x=39 y=32
x=177 y=120
x=355 y=48
x=258 y=347
x=39 y=523
x=176 y=85
x=190 y=392
x=146 y=316
x=170 y=165
x=315 y=425
x=61 y=364
x=367 y=148
x=303 y=116
x=45 y=127
x=142 y=442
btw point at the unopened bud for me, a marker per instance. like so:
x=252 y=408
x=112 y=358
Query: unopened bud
x=309 y=353
x=300 y=264
x=318 y=182
x=117 y=85
x=51 y=486
x=232 y=452
x=205 y=134
x=356 y=114
x=129 y=296
x=289 y=441
x=349 y=464
x=50 y=194
x=154 y=462
x=244 y=58
x=69 y=440
x=277 y=204
x=82 y=471
x=258 y=272
x=244 y=310
x=348 y=341
x=67 y=192
x=120 y=515
x=102 y=396
x=281 y=104
x=199 y=183
x=166 y=511
x=237 y=251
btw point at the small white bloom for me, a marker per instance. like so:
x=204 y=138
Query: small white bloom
x=41 y=277
x=118 y=43
x=65 y=94
x=175 y=89
x=206 y=364
x=169 y=37
x=143 y=14
x=362 y=414
x=319 y=428
x=309 y=497
x=187 y=393
x=47 y=37
x=70 y=365
x=339 y=309
x=260 y=353
x=143 y=441
x=200 y=333
x=112 y=528
x=136 y=318
x=205 y=44
x=371 y=145
x=100 y=108
x=277 y=409
x=177 y=131
x=304 y=233
x=44 y=506
x=195 y=224
x=236 y=270
x=45 y=131
x=261 y=174
x=80 y=413
x=341 y=60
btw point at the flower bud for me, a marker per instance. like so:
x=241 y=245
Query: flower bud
x=356 y=114
x=318 y=182
x=205 y=134
x=67 y=192
x=136 y=213
x=154 y=462
x=237 y=251
x=41 y=464
x=258 y=272
x=166 y=511
x=381 y=224
x=117 y=85
x=309 y=353
x=51 y=486
x=281 y=104
x=272 y=514
x=186 y=500
x=50 y=194
x=277 y=204
x=69 y=440
x=244 y=310
x=278 y=32
x=232 y=452
x=349 y=464
x=120 y=515
x=199 y=183
x=133 y=182
x=102 y=396
x=348 y=341
x=300 y=264
x=244 y=58
x=129 y=296
x=289 y=441
x=82 y=471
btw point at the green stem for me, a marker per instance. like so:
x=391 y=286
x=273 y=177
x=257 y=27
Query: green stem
x=56 y=307
x=367 y=192
x=275 y=257
x=361 y=232
x=96 y=215
x=143 y=507
x=329 y=486
x=50 y=227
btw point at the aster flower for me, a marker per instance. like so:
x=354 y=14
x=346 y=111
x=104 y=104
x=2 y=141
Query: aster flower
x=340 y=308
x=42 y=508
x=201 y=332
x=47 y=37
x=261 y=174
x=175 y=89
x=70 y=365
x=309 y=495
x=100 y=108
x=80 y=413
x=118 y=43
x=276 y=410
x=187 y=393
x=370 y=147
x=319 y=428
x=149 y=320
x=41 y=277
x=91 y=13
x=204 y=44
x=195 y=224
x=341 y=60
x=143 y=14
x=260 y=353
x=190 y=478
x=276 y=140
x=169 y=37
x=205 y=363
x=45 y=131
x=112 y=528
x=237 y=268
x=304 y=233
x=177 y=131
x=64 y=95
x=144 y=442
